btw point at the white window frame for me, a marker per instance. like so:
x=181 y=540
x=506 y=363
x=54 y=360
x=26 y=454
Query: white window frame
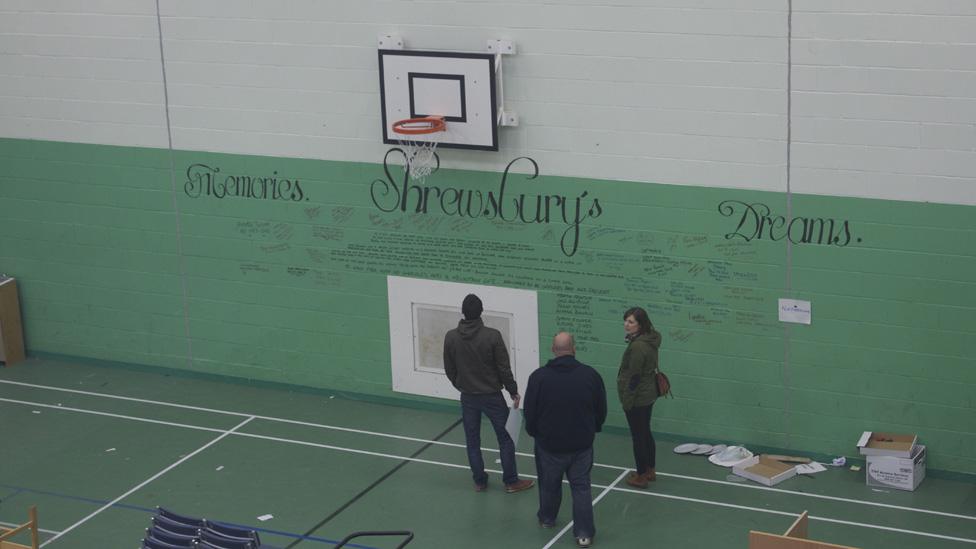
x=405 y=294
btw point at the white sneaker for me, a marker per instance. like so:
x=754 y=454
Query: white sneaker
x=584 y=542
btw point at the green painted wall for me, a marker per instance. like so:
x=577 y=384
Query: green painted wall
x=120 y=258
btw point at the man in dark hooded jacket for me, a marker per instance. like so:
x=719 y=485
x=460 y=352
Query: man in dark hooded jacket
x=476 y=362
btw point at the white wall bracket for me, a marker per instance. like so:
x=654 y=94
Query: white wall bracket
x=502 y=48
x=389 y=42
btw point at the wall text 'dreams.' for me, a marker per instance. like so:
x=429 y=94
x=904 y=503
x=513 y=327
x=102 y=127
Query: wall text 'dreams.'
x=757 y=222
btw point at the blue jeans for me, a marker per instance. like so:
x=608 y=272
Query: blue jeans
x=494 y=406
x=576 y=466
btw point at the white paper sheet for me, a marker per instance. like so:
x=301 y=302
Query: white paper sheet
x=514 y=424
x=810 y=468
x=795 y=310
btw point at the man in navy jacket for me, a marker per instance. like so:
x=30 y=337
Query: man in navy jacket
x=565 y=406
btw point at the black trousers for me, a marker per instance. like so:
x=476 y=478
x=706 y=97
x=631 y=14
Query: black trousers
x=639 y=421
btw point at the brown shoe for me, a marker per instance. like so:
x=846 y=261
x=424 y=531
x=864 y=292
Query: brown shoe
x=480 y=487
x=518 y=486
x=650 y=475
x=637 y=481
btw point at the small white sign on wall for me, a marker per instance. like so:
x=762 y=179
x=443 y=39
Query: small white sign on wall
x=794 y=310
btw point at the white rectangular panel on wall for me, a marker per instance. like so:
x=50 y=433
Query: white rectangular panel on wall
x=421 y=313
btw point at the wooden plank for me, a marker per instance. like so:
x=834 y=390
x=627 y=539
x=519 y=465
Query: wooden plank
x=31 y=524
x=789 y=459
x=11 y=330
x=795 y=538
x=800 y=527
x=763 y=540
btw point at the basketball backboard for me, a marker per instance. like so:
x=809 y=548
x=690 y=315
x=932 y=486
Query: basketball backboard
x=461 y=87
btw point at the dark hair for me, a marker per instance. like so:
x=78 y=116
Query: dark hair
x=471 y=307
x=640 y=315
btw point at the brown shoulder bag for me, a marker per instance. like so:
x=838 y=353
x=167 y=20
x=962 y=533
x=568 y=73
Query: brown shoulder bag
x=663 y=384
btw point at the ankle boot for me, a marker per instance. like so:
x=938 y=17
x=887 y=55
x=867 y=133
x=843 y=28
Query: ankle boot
x=650 y=475
x=637 y=480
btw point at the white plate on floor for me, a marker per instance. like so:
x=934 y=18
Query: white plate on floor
x=686 y=448
x=714 y=459
x=702 y=449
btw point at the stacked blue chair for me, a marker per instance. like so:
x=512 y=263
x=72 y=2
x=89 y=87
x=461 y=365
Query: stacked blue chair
x=165 y=536
x=182 y=519
x=152 y=542
x=171 y=530
x=233 y=531
x=224 y=536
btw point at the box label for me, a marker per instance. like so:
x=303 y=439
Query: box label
x=898 y=473
x=900 y=478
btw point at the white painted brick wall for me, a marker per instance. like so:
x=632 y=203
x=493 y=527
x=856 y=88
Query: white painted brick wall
x=671 y=91
x=884 y=99
x=86 y=72
x=652 y=91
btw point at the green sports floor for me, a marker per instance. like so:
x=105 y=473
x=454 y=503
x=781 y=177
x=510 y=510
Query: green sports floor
x=97 y=447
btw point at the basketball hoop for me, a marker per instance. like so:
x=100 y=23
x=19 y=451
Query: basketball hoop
x=420 y=154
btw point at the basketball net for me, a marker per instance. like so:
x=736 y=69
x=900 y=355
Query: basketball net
x=421 y=155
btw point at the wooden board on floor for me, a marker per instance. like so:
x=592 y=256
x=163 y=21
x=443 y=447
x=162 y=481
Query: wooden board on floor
x=794 y=538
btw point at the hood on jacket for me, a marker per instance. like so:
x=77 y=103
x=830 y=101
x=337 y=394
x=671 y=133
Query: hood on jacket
x=653 y=338
x=469 y=328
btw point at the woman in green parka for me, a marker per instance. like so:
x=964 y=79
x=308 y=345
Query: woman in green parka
x=637 y=389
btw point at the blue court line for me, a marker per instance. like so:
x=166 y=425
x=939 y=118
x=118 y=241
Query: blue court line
x=21 y=490
x=16 y=491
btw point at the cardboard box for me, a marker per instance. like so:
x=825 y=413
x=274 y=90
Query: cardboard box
x=887 y=444
x=11 y=328
x=896 y=472
x=764 y=470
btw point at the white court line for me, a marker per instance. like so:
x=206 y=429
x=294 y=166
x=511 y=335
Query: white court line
x=454 y=445
x=147 y=481
x=595 y=501
x=357 y=451
x=899 y=530
x=611 y=487
x=794 y=515
x=247 y=435
x=819 y=496
x=240 y=414
x=107 y=414
x=119 y=397
x=12 y=525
